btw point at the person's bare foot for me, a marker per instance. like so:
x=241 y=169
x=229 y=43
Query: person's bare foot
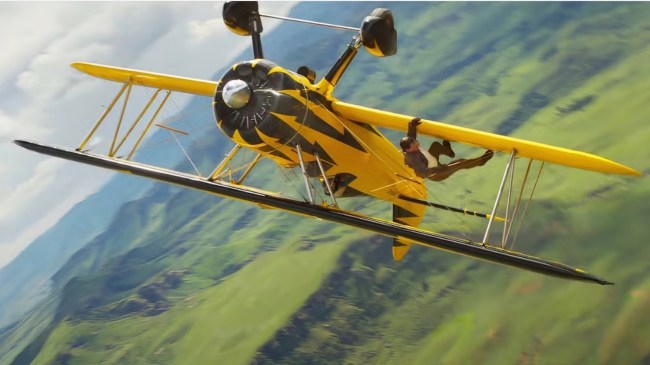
x=448 y=151
x=486 y=157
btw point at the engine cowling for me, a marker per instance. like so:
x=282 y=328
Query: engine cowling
x=251 y=101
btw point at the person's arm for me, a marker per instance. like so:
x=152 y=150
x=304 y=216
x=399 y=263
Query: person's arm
x=413 y=124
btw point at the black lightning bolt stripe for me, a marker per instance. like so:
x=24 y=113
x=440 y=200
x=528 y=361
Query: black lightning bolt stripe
x=327 y=103
x=314 y=122
x=369 y=127
x=277 y=153
x=322 y=154
x=400 y=212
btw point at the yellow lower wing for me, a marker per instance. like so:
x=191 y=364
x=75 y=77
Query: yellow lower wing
x=533 y=150
x=148 y=79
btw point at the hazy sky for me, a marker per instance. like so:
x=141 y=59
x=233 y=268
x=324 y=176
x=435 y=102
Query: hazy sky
x=43 y=99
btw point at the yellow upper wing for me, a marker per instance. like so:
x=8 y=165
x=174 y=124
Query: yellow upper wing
x=536 y=151
x=533 y=150
x=148 y=79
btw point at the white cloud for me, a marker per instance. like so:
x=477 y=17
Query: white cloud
x=6 y=126
x=43 y=175
x=199 y=31
x=49 y=194
x=27 y=36
x=43 y=99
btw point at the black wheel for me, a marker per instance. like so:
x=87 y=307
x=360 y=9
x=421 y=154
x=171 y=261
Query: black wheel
x=384 y=14
x=378 y=33
x=237 y=14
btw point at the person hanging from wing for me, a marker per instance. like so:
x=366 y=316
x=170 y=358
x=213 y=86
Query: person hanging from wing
x=426 y=163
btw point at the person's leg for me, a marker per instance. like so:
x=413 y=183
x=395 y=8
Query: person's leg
x=448 y=151
x=438 y=149
x=447 y=170
x=474 y=162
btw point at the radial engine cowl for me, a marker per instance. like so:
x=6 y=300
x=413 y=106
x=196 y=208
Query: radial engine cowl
x=248 y=100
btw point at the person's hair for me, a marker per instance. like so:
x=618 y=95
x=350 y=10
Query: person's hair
x=405 y=142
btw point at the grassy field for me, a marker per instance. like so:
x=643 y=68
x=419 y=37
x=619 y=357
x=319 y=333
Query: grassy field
x=203 y=280
x=229 y=320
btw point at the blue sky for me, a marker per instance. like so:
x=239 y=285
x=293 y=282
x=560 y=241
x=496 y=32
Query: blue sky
x=43 y=99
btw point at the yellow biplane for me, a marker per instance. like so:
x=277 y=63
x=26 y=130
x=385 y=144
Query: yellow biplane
x=293 y=120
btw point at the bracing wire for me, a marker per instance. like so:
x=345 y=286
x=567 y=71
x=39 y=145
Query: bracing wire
x=231 y=171
x=519 y=199
x=530 y=198
x=186 y=155
x=335 y=26
x=292 y=180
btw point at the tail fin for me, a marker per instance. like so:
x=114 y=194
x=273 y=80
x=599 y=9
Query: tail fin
x=399 y=249
x=410 y=214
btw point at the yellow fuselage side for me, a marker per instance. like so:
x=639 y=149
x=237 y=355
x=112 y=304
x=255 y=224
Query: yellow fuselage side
x=305 y=118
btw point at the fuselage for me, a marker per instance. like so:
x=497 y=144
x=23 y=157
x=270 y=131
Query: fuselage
x=284 y=109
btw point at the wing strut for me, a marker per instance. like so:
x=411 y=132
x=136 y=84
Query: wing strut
x=118 y=141
x=509 y=220
x=219 y=169
x=225 y=163
x=539 y=173
x=509 y=170
x=103 y=116
x=327 y=184
x=310 y=193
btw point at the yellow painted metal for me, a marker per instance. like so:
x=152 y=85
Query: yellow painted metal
x=172 y=129
x=148 y=79
x=400 y=249
x=137 y=120
x=113 y=151
x=146 y=129
x=529 y=149
x=217 y=171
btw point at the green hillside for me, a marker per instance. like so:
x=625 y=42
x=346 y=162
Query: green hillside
x=185 y=278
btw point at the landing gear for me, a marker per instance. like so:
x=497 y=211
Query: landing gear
x=378 y=33
x=243 y=18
